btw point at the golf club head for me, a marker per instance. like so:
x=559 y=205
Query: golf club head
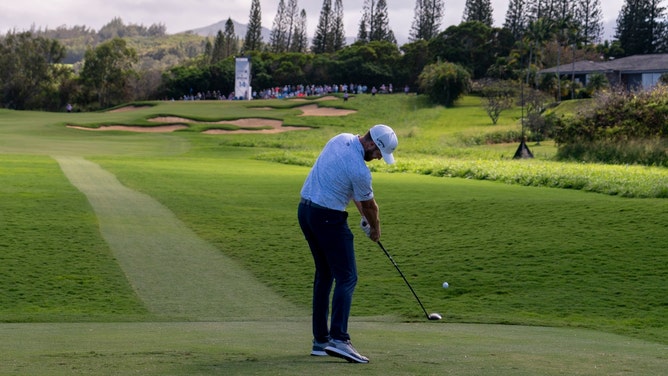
x=434 y=316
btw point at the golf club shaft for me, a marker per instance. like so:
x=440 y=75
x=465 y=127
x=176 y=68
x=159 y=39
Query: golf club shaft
x=405 y=280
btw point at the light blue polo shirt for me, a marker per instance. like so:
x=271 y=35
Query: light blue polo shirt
x=339 y=174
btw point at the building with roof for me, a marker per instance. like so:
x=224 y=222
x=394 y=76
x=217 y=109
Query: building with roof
x=637 y=72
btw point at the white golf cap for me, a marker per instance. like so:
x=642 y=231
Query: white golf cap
x=386 y=140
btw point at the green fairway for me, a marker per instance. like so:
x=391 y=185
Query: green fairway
x=512 y=254
x=180 y=253
x=175 y=273
x=45 y=134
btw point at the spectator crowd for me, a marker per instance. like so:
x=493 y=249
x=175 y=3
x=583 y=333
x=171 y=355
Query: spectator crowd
x=297 y=91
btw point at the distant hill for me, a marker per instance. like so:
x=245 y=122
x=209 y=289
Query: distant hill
x=239 y=29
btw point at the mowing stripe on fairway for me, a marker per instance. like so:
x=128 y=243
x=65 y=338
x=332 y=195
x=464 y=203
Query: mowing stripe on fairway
x=176 y=273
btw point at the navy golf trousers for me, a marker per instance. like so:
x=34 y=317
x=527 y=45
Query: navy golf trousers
x=331 y=243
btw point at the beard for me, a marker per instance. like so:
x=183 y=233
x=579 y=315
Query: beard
x=368 y=155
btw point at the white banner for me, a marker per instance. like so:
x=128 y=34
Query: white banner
x=242 y=86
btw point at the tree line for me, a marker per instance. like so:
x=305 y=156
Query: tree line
x=535 y=34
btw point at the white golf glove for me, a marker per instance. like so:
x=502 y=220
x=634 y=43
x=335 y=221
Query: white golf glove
x=364 y=225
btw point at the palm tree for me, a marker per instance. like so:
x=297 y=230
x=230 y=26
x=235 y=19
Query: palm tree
x=566 y=30
x=538 y=33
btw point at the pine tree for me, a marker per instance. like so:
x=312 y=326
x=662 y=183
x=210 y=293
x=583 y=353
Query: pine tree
x=381 y=22
x=363 y=32
x=218 y=48
x=279 y=33
x=299 y=39
x=640 y=29
x=337 y=31
x=588 y=16
x=427 y=19
x=322 y=40
x=478 y=10
x=253 y=41
x=564 y=22
x=564 y=10
x=516 y=18
x=565 y=31
x=375 y=18
x=417 y=27
x=208 y=51
x=231 y=41
x=225 y=44
x=544 y=9
x=291 y=21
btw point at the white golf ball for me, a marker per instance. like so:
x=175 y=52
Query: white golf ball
x=446 y=285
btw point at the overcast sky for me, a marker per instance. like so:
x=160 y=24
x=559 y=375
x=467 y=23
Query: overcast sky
x=181 y=15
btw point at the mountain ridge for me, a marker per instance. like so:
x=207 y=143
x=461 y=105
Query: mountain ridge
x=239 y=29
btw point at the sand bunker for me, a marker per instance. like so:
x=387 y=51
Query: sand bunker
x=276 y=126
x=248 y=122
x=171 y=119
x=128 y=108
x=174 y=123
x=327 y=98
x=127 y=128
x=314 y=110
x=270 y=125
x=272 y=130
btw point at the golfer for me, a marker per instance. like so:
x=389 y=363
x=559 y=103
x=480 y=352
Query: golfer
x=338 y=176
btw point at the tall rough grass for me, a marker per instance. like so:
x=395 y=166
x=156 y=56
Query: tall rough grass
x=620 y=180
x=625 y=181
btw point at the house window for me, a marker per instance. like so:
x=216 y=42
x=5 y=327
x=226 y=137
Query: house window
x=649 y=80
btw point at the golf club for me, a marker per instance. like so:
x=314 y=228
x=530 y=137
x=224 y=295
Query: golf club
x=432 y=316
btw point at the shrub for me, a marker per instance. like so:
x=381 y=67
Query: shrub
x=620 y=127
x=500 y=136
x=597 y=82
x=541 y=127
x=444 y=82
x=497 y=97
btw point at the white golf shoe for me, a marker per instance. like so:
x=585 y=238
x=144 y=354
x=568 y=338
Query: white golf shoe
x=345 y=350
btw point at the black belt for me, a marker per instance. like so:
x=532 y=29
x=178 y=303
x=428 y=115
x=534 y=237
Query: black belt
x=312 y=204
